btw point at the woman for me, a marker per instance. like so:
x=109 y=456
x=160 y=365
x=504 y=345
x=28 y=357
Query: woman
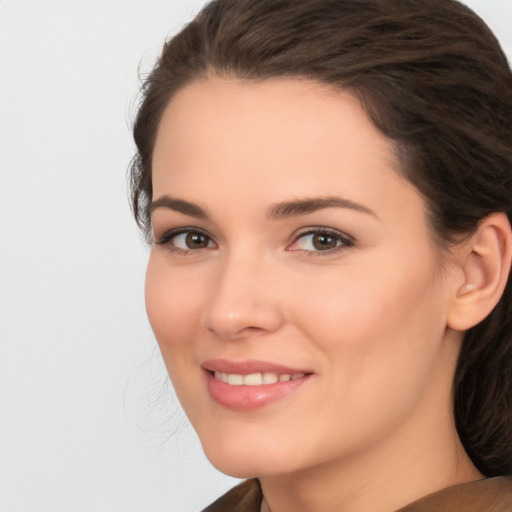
x=327 y=186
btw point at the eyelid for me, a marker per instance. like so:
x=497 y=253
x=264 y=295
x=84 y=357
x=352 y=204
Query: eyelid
x=347 y=240
x=168 y=235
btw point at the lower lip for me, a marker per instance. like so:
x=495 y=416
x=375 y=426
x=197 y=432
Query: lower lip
x=250 y=398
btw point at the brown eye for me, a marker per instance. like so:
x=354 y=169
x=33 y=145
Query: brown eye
x=321 y=241
x=324 y=241
x=186 y=240
x=196 y=240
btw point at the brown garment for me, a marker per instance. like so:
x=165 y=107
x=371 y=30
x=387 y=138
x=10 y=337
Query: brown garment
x=245 y=497
x=489 y=495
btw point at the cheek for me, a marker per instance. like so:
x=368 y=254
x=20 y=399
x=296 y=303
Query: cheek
x=377 y=319
x=380 y=337
x=380 y=289
x=172 y=304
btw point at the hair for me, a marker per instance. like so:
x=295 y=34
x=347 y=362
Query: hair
x=432 y=78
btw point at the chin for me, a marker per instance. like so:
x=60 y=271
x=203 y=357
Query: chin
x=235 y=470
x=246 y=459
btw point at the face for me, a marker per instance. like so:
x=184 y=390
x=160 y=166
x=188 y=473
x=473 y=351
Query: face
x=297 y=298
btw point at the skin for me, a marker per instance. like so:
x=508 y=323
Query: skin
x=372 y=428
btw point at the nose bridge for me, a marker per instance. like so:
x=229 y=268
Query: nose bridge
x=242 y=299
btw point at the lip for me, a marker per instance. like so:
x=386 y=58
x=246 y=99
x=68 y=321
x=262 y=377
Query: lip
x=250 y=398
x=248 y=367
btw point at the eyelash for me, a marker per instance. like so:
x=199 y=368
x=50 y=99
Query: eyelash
x=168 y=236
x=343 y=241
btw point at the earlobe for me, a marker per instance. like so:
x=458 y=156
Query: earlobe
x=485 y=262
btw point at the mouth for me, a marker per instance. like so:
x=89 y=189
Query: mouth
x=251 y=385
x=256 y=379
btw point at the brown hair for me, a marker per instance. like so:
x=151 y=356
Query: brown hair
x=433 y=78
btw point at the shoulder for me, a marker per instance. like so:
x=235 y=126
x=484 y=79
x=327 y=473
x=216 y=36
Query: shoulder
x=245 y=497
x=489 y=495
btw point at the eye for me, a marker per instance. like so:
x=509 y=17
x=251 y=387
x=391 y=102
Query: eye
x=321 y=240
x=186 y=240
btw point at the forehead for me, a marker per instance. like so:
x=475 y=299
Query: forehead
x=270 y=141
x=258 y=111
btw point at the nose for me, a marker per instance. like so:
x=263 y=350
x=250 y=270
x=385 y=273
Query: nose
x=243 y=301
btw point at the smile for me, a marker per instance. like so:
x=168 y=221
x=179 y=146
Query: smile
x=251 y=385
x=256 y=379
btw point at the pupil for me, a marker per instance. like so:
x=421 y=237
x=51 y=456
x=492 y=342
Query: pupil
x=324 y=242
x=197 y=240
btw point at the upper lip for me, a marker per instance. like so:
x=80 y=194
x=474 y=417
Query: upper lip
x=249 y=366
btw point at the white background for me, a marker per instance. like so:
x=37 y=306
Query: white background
x=86 y=421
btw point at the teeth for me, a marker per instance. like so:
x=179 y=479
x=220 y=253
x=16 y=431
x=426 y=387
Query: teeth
x=256 y=379
x=270 y=378
x=235 y=380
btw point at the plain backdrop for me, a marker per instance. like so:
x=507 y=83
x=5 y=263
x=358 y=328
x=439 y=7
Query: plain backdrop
x=87 y=422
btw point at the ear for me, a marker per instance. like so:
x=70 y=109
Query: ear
x=485 y=261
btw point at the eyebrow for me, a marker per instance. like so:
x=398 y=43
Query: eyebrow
x=277 y=211
x=310 y=205
x=178 y=205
